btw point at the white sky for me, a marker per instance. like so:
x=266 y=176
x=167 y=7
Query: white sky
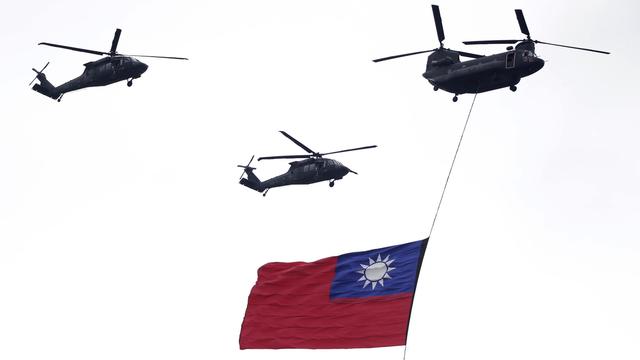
x=124 y=233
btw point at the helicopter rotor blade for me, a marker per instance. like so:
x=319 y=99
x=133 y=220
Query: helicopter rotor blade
x=95 y=52
x=438 y=20
x=285 y=157
x=354 y=149
x=38 y=72
x=402 y=55
x=159 y=57
x=572 y=47
x=483 y=42
x=469 y=55
x=114 y=42
x=303 y=146
x=523 y=24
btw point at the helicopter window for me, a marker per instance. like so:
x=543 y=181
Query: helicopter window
x=511 y=60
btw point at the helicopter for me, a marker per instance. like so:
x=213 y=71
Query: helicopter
x=483 y=73
x=314 y=168
x=108 y=70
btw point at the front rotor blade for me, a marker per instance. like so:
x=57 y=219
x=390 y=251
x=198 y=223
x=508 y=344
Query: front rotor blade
x=114 y=43
x=483 y=42
x=303 y=146
x=522 y=22
x=403 y=55
x=469 y=55
x=572 y=47
x=285 y=157
x=438 y=21
x=95 y=52
x=159 y=57
x=354 y=149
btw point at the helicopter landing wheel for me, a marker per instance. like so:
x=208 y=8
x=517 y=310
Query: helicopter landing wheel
x=129 y=83
x=513 y=88
x=435 y=88
x=455 y=98
x=332 y=183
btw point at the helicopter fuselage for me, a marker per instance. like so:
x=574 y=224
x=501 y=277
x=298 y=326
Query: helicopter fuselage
x=308 y=171
x=102 y=72
x=106 y=71
x=446 y=72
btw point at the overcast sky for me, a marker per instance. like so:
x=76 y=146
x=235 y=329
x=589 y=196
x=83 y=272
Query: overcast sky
x=125 y=235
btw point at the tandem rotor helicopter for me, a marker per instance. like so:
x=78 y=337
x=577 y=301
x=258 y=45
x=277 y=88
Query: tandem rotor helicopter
x=484 y=73
x=108 y=70
x=315 y=168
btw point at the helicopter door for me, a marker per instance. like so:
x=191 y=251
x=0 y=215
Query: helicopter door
x=511 y=60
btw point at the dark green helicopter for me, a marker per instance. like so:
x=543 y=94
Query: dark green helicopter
x=484 y=73
x=108 y=70
x=313 y=169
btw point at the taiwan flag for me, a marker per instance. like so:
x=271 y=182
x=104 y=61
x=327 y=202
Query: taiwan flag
x=356 y=300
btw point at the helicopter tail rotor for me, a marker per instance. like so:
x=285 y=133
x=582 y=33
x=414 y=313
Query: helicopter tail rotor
x=38 y=72
x=251 y=181
x=247 y=168
x=45 y=87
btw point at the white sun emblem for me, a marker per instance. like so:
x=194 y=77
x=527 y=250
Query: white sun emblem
x=376 y=271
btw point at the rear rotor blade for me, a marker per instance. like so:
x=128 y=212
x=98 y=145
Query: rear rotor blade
x=303 y=146
x=403 y=55
x=285 y=157
x=522 y=23
x=438 y=21
x=482 y=42
x=572 y=47
x=114 y=43
x=159 y=57
x=354 y=149
x=95 y=52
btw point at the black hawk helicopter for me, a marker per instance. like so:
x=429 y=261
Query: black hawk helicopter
x=313 y=169
x=484 y=73
x=108 y=70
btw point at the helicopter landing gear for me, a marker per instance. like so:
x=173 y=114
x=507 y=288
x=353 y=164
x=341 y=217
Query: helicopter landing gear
x=332 y=183
x=513 y=88
x=59 y=98
x=435 y=88
x=455 y=98
x=265 y=192
x=129 y=82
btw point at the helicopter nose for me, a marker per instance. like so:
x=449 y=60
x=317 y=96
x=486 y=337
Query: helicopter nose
x=143 y=67
x=538 y=64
